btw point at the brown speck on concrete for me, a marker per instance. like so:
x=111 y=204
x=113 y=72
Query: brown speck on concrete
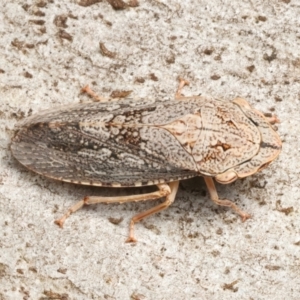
x=170 y=59
x=62 y=270
x=215 y=253
x=133 y=3
x=250 y=68
x=41 y=4
x=71 y=16
x=230 y=286
x=17 y=43
x=27 y=75
x=39 y=13
x=37 y=22
x=21 y=45
x=219 y=231
x=33 y=269
x=153 y=77
x=193 y=235
x=105 y=52
x=88 y=2
x=137 y=296
x=64 y=35
x=57 y=296
x=270 y=57
x=26 y=7
x=115 y=221
x=267 y=115
x=296 y=62
x=153 y=228
x=208 y=51
x=286 y=210
x=120 y=94
x=262 y=18
x=29 y=46
x=118 y=4
x=215 y=77
x=272 y=267
x=61 y=21
x=218 y=57
x=139 y=80
x=42 y=30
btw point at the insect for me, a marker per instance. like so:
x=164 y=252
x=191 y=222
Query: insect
x=132 y=143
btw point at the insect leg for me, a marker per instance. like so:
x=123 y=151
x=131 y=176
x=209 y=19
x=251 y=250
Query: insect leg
x=242 y=102
x=181 y=85
x=92 y=94
x=215 y=198
x=116 y=95
x=273 y=119
x=165 y=190
x=173 y=187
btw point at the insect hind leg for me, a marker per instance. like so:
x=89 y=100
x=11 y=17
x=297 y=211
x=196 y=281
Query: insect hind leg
x=137 y=218
x=164 y=190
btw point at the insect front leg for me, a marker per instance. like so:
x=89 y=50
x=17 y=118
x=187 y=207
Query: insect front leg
x=224 y=202
x=164 y=190
x=97 y=98
x=93 y=95
x=182 y=83
x=273 y=119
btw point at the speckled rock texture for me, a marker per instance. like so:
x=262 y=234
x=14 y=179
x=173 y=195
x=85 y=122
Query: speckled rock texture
x=49 y=50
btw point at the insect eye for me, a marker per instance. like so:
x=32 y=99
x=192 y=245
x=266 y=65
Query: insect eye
x=263 y=166
x=227 y=177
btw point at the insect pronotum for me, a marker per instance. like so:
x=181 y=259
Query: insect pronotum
x=130 y=143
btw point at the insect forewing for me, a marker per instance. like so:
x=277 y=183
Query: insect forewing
x=109 y=144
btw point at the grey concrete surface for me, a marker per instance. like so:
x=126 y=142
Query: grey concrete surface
x=193 y=250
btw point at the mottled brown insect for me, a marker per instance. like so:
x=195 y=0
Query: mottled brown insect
x=128 y=143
